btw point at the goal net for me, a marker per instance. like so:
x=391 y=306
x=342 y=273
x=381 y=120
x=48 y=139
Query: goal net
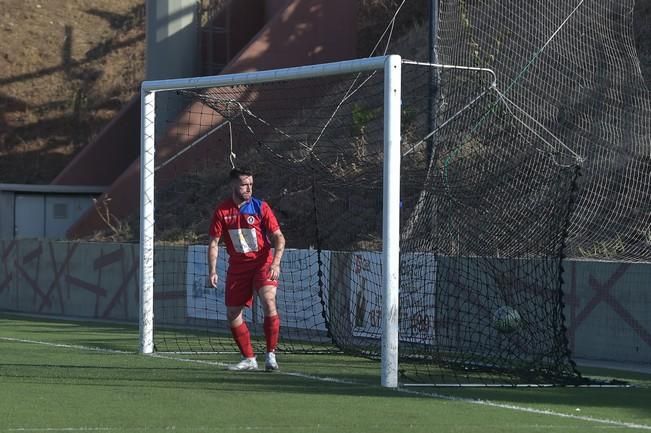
x=572 y=66
x=477 y=203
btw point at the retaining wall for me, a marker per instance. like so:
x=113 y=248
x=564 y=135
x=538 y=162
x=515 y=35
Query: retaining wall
x=608 y=304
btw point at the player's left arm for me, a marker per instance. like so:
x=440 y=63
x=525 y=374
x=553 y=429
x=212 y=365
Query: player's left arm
x=278 y=242
x=276 y=238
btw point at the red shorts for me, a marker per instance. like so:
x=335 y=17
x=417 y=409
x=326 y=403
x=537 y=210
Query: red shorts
x=241 y=284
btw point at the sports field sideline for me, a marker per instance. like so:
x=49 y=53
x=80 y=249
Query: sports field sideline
x=71 y=376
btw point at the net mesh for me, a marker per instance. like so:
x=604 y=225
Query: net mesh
x=572 y=66
x=484 y=214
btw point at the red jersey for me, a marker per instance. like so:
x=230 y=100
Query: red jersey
x=245 y=230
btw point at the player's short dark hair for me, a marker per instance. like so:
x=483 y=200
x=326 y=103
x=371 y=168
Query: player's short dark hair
x=241 y=171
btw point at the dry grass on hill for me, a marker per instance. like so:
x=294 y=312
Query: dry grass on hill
x=68 y=66
x=66 y=69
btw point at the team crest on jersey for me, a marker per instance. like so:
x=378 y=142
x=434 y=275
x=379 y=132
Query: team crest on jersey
x=250 y=219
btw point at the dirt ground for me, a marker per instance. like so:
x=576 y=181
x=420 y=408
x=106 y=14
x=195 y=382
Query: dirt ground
x=68 y=66
x=66 y=69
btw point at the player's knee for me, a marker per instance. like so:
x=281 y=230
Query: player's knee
x=234 y=314
x=269 y=305
x=269 y=301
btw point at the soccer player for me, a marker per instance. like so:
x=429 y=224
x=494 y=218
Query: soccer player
x=250 y=230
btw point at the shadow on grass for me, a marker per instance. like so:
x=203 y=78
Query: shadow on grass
x=325 y=374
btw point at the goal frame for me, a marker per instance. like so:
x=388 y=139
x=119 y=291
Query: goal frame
x=391 y=65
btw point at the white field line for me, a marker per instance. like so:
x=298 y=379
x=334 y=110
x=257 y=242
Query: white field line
x=480 y=402
x=528 y=409
x=67 y=346
x=53 y=429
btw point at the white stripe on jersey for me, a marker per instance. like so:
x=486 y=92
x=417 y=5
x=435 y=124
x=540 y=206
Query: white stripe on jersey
x=244 y=240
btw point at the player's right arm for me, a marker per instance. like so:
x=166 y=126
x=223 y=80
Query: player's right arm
x=214 y=232
x=212 y=260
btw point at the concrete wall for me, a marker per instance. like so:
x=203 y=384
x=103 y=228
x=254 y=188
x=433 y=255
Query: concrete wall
x=82 y=280
x=608 y=310
x=7 y=214
x=112 y=151
x=172 y=39
x=608 y=305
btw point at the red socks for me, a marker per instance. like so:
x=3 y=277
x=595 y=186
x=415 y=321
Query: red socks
x=271 y=331
x=242 y=338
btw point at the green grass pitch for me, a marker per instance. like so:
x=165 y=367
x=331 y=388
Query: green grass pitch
x=67 y=376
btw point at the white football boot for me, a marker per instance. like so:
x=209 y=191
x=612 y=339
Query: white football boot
x=270 y=363
x=244 y=365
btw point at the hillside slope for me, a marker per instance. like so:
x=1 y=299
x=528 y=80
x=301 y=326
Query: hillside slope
x=66 y=69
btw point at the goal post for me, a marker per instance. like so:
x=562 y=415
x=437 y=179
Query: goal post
x=146 y=277
x=391 y=222
x=391 y=67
